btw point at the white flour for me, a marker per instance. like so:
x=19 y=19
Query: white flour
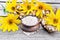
x=30 y=21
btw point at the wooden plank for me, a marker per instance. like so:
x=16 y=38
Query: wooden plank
x=39 y=0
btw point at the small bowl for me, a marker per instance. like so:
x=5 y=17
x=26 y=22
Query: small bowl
x=30 y=28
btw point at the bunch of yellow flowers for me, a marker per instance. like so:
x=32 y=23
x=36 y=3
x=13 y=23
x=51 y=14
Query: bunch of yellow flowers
x=35 y=8
x=27 y=7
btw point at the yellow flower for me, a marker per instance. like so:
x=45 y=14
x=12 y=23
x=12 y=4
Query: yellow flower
x=1 y=18
x=40 y=6
x=39 y=14
x=27 y=6
x=54 y=19
x=9 y=23
x=11 y=6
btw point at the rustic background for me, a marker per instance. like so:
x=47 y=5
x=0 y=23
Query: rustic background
x=19 y=35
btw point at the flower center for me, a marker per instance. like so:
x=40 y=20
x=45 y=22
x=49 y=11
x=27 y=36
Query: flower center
x=10 y=21
x=40 y=7
x=28 y=7
x=13 y=8
x=55 y=21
